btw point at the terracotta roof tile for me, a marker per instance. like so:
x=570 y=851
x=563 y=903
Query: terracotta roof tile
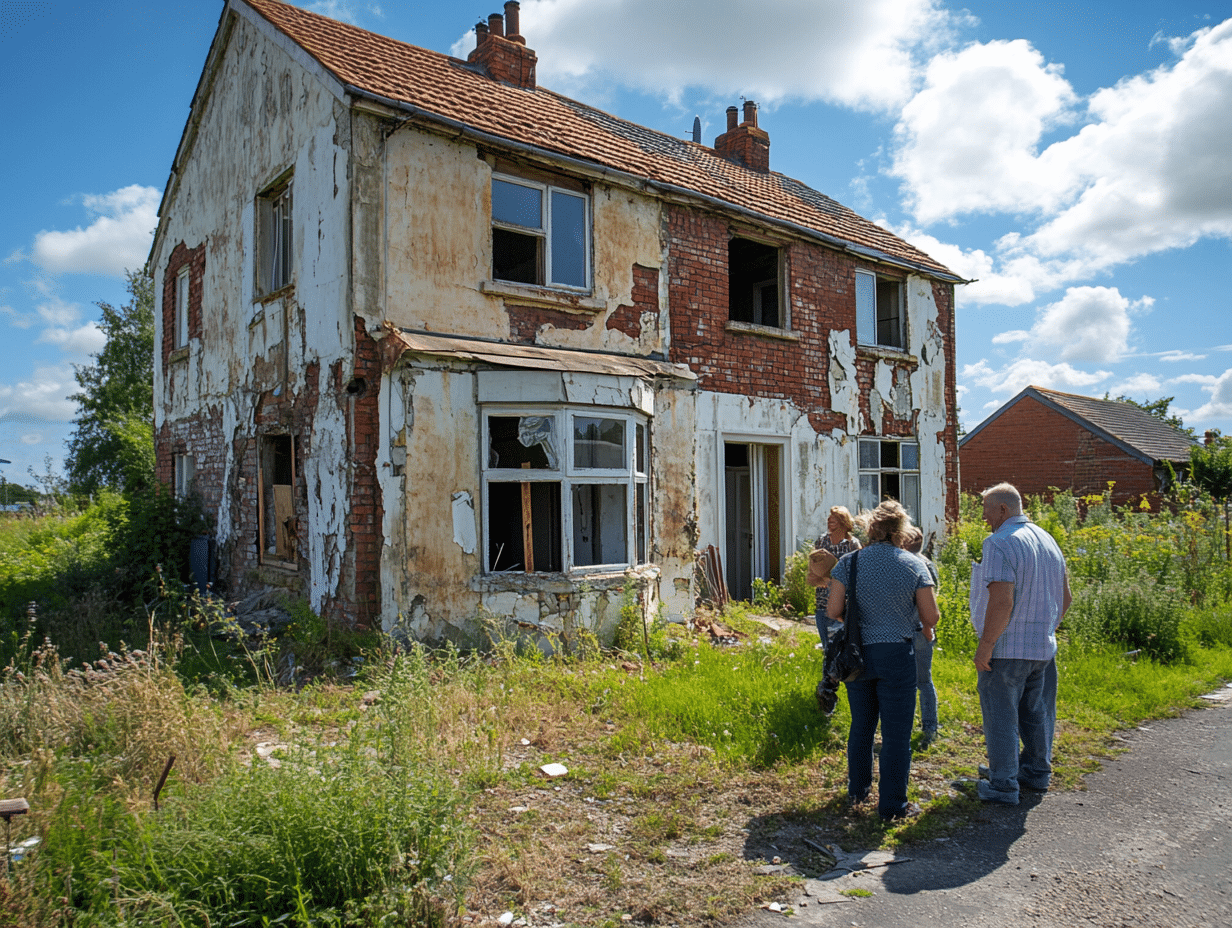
x=449 y=88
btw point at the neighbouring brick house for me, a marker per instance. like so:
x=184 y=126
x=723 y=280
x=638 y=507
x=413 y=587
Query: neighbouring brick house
x=1042 y=441
x=439 y=343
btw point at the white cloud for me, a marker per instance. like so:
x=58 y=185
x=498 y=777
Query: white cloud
x=117 y=239
x=42 y=398
x=1087 y=324
x=1146 y=386
x=865 y=55
x=1009 y=338
x=1026 y=372
x=20 y=320
x=32 y=438
x=57 y=312
x=1147 y=172
x=85 y=340
x=1219 y=406
x=967 y=141
x=1174 y=356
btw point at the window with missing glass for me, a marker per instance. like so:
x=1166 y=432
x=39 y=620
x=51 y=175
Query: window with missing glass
x=540 y=234
x=890 y=469
x=754 y=275
x=564 y=489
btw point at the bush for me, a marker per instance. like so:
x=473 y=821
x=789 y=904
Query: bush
x=1137 y=615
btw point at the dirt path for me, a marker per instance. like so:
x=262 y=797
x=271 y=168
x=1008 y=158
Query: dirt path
x=1149 y=843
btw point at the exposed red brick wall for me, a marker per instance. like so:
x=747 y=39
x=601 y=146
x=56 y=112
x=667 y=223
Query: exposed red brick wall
x=1037 y=449
x=821 y=288
x=746 y=145
x=526 y=321
x=628 y=319
x=195 y=259
x=362 y=395
x=506 y=61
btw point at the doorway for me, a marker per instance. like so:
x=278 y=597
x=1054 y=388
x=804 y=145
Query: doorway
x=753 y=479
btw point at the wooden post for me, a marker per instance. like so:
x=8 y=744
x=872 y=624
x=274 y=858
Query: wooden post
x=528 y=531
x=9 y=808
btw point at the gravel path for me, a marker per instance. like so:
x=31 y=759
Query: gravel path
x=1149 y=843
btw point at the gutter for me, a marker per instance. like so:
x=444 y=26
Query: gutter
x=624 y=179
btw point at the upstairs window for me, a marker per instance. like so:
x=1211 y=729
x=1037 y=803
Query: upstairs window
x=274 y=252
x=753 y=285
x=890 y=469
x=881 y=312
x=540 y=234
x=181 y=307
x=564 y=489
x=185 y=474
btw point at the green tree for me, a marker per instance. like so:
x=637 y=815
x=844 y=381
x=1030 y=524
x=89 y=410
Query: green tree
x=1210 y=468
x=113 y=440
x=1159 y=409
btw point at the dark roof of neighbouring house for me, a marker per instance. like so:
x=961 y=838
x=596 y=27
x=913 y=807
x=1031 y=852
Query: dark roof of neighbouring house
x=1130 y=427
x=437 y=86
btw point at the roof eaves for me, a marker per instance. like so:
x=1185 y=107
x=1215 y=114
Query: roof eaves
x=463 y=130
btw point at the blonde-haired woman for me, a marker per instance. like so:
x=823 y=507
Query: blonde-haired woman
x=838 y=540
x=893 y=591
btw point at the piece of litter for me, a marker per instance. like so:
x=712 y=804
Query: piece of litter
x=506 y=919
x=600 y=848
x=774 y=907
x=517 y=809
x=525 y=743
x=554 y=770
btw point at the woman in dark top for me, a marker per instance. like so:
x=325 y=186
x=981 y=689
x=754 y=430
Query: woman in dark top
x=894 y=592
x=838 y=540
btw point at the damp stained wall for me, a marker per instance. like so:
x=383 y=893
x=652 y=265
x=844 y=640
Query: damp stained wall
x=261 y=116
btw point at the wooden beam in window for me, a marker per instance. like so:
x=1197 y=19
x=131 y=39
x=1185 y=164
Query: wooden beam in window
x=528 y=530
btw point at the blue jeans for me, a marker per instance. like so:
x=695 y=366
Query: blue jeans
x=924 y=682
x=885 y=692
x=1018 y=699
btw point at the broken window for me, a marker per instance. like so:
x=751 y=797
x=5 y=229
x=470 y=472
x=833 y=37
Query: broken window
x=185 y=473
x=540 y=234
x=564 y=489
x=181 y=307
x=890 y=469
x=277 y=519
x=753 y=287
x=881 y=312
x=274 y=251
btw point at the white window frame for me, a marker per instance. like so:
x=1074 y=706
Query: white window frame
x=867 y=315
x=185 y=474
x=634 y=476
x=275 y=239
x=871 y=446
x=182 y=293
x=544 y=231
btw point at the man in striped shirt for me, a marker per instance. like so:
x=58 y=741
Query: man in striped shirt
x=1023 y=582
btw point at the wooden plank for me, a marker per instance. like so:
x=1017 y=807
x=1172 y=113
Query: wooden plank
x=528 y=529
x=284 y=516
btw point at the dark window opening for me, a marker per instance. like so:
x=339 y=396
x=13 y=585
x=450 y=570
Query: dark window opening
x=753 y=283
x=277 y=522
x=516 y=257
x=522 y=512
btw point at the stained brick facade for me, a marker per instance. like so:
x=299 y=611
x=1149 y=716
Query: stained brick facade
x=1039 y=449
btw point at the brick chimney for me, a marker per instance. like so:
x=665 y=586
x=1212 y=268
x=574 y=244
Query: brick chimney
x=745 y=143
x=501 y=51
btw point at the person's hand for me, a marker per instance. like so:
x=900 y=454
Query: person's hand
x=983 y=656
x=930 y=633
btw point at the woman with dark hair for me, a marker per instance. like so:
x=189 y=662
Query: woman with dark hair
x=893 y=592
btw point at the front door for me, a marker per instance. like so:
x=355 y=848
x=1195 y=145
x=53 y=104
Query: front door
x=753 y=515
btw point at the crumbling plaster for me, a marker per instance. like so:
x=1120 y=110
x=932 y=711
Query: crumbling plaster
x=439 y=251
x=265 y=116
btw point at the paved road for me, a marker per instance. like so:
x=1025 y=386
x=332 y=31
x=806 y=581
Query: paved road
x=1149 y=843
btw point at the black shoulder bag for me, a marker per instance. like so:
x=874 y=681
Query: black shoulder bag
x=845 y=655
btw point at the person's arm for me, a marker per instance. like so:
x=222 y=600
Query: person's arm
x=836 y=605
x=926 y=606
x=996 y=620
x=1066 y=599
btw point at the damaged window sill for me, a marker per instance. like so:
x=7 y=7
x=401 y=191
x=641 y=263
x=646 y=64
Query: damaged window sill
x=543 y=296
x=516 y=581
x=886 y=353
x=765 y=331
x=179 y=354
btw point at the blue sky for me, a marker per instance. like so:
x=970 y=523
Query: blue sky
x=1075 y=157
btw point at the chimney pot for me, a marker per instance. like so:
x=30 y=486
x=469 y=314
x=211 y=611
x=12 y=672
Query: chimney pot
x=481 y=33
x=513 y=28
x=731 y=118
x=750 y=112
x=496 y=24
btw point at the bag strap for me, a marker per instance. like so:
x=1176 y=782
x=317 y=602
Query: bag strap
x=853 y=612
